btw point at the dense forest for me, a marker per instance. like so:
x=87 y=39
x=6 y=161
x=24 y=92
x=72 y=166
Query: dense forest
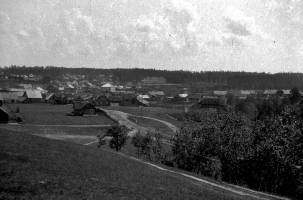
x=224 y=80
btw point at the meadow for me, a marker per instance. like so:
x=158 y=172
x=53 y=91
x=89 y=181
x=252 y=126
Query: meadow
x=34 y=167
x=48 y=114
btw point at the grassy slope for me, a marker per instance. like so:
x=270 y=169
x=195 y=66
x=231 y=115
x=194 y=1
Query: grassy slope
x=33 y=167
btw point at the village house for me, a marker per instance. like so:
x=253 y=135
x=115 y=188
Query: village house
x=127 y=99
x=270 y=93
x=56 y=99
x=115 y=101
x=101 y=100
x=84 y=108
x=108 y=87
x=32 y=96
x=220 y=93
x=156 y=94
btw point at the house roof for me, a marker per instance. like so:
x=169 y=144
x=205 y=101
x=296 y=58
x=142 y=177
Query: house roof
x=33 y=94
x=4 y=96
x=141 y=100
x=247 y=92
x=156 y=93
x=286 y=92
x=220 y=92
x=17 y=89
x=70 y=86
x=13 y=95
x=270 y=92
x=19 y=94
x=183 y=95
x=107 y=85
x=144 y=96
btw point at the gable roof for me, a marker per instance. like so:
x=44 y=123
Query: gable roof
x=141 y=100
x=144 y=96
x=220 y=92
x=33 y=94
x=107 y=85
x=156 y=93
x=270 y=92
x=183 y=95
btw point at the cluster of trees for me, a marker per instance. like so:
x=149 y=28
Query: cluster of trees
x=259 y=108
x=264 y=155
x=212 y=80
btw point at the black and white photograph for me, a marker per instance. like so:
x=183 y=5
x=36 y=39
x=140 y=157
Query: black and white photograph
x=164 y=99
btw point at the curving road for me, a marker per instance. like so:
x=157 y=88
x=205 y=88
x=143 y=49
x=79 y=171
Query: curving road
x=122 y=117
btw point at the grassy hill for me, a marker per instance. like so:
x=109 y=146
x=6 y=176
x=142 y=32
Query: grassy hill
x=34 y=167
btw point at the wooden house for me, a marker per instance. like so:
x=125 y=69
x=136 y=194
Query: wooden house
x=115 y=100
x=127 y=99
x=101 y=100
x=84 y=108
x=32 y=96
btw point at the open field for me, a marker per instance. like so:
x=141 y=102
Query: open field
x=48 y=114
x=39 y=168
x=154 y=112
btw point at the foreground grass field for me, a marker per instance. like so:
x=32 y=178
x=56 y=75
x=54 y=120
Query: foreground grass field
x=34 y=167
x=48 y=114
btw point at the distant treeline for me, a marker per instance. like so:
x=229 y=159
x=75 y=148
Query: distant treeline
x=224 y=80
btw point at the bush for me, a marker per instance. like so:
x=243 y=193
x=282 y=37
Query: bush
x=119 y=136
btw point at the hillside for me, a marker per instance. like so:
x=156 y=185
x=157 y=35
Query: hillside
x=33 y=167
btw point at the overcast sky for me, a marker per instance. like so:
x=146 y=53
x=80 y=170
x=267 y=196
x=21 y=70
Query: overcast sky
x=233 y=35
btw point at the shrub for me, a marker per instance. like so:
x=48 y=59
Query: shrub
x=119 y=136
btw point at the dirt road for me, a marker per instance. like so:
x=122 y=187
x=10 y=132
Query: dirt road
x=122 y=117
